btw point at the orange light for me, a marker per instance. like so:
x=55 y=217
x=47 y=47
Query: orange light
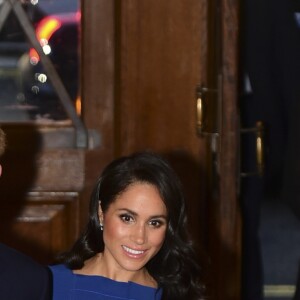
x=78 y=105
x=47 y=27
x=44 y=31
x=34 y=56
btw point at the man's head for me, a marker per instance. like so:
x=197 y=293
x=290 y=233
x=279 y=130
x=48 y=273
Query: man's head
x=2 y=145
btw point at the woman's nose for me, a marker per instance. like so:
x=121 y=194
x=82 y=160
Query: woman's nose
x=139 y=235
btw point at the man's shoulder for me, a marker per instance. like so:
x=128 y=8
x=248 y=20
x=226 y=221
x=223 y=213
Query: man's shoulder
x=18 y=265
x=21 y=277
x=11 y=258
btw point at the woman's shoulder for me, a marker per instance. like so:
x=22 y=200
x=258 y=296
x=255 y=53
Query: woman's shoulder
x=61 y=272
x=59 y=268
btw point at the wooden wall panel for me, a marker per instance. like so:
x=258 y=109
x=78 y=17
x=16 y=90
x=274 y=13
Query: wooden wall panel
x=40 y=186
x=45 y=225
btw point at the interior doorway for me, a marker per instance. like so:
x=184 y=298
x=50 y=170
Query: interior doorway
x=270 y=196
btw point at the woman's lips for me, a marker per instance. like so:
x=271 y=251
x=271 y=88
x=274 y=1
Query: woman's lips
x=132 y=252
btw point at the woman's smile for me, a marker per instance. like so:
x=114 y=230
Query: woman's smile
x=134 y=253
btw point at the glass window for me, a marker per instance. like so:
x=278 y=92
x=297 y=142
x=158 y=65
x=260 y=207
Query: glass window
x=31 y=86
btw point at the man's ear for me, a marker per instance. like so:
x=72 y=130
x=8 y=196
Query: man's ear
x=0 y=170
x=100 y=213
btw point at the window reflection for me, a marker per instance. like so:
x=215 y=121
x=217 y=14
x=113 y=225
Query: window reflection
x=26 y=91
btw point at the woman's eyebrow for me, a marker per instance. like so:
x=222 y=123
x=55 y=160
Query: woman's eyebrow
x=128 y=211
x=136 y=214
x=159 y=217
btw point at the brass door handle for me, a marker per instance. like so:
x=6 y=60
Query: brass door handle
x=199 y=111
x=205 y=111
x=260 y=147
x=258 y=130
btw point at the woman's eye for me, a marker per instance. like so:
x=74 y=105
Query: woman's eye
x=156 y=223
x=126 y=218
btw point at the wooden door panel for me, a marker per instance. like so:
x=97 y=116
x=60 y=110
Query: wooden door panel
x=160 y=67
x=166 y=49
x=160 y=56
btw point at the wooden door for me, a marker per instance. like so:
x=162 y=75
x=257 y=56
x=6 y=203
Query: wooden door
x=165 y=49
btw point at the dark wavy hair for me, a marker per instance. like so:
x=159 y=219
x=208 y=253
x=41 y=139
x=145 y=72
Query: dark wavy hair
x=174 y=267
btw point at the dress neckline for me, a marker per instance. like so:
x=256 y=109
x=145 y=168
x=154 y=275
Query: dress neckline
x=110 y=280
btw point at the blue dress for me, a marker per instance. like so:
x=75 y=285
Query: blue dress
x=70 y=286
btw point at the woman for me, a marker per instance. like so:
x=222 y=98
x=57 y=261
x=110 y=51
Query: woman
x=135 y=245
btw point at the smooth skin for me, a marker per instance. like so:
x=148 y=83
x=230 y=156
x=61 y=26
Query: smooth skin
x=134 y=231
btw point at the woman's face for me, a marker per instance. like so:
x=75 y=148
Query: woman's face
x=134 y=228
